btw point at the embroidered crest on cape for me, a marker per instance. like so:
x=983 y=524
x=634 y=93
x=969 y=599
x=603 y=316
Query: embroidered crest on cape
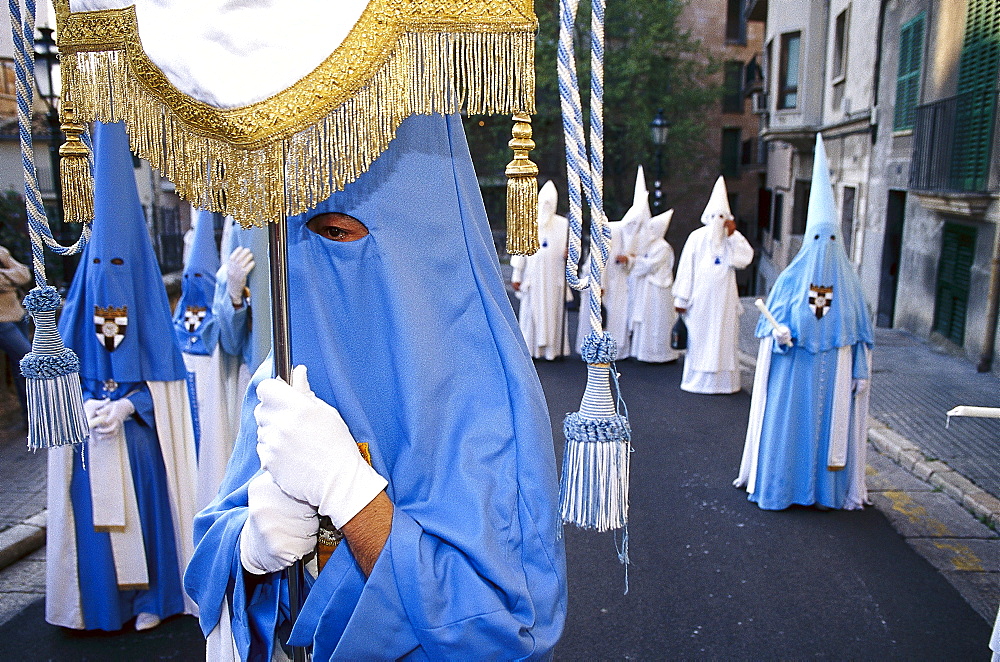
x=110 y=325
x=193 y=316
x=820 y=299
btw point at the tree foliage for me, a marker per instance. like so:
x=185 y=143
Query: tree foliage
x=650 y=64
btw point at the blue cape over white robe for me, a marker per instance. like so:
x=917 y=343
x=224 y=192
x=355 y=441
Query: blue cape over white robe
x=117 y=319
x=807 y=433
x=409 y=333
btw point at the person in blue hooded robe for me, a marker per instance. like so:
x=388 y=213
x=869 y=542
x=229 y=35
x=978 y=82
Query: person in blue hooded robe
x=212 y=372
x=807 y=435
x=452 y=548
x=241 y=303
x=121 y=507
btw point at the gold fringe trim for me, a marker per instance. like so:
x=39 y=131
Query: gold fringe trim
x=522 y=191
x=432 y=72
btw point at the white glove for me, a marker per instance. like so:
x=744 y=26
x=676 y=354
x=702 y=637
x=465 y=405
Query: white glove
x=279 y=530
x=109 y=417
x=237 y=270
x=307 y=447
x=782 y=335
x=860 y=385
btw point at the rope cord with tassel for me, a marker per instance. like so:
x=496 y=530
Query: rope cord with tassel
x=51 y=370
x=595 y=478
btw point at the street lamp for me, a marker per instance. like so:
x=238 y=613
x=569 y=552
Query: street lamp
x=46 y=66
x=658 y=129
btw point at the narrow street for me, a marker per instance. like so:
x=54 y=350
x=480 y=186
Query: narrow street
x=712 y=576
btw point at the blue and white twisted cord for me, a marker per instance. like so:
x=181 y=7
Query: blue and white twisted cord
x=23 y=31
x=584 y=176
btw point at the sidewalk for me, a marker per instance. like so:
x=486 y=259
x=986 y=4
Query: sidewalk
x=938 y=485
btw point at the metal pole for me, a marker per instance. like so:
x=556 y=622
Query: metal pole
x=277 y=247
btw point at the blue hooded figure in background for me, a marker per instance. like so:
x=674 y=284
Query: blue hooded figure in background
x=121 y=508
x=807 y=434
x=407 y=331
x=213 y=374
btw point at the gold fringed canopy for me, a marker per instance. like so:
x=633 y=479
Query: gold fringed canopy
x=284 y=154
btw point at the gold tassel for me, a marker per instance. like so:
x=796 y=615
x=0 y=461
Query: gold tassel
x=522 y=191
x=74 y=172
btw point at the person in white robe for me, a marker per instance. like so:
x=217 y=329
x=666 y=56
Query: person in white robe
x=705 y=293
x=622 y=252
x=540 y=283
x=652 y=313
x=808 y=430
x=213 y=374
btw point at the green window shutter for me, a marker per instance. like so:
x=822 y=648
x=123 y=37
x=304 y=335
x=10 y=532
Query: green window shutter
x=911 y=51
x=958 y=251
x=977 y=81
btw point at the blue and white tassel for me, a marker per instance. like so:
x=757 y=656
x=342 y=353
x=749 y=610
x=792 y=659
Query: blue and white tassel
x=55 y=399
x=595 y=473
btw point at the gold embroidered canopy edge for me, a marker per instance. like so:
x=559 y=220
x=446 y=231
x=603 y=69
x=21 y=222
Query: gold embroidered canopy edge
x=284 y=154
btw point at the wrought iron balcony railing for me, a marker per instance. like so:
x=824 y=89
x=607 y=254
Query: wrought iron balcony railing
x=953 y=144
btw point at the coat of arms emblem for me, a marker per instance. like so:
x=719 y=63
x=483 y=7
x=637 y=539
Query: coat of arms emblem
x=110 y=325
x=193 y=316
x=820 y=299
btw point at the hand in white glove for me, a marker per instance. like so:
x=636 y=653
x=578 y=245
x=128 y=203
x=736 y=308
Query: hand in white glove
x=237 y=270
x=109 y=417
x=860 y=385
x=307 y=447
x=782 y=335
x=279 y=530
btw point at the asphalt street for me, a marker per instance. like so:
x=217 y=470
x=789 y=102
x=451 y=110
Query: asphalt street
x=712 y=576
x=715 y=577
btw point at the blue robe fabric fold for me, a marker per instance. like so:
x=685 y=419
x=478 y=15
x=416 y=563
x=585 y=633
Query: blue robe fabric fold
x=409 y=333
x=195 y=326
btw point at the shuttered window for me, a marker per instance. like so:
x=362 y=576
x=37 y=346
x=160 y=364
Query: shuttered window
x=977 y=82
x=958 y=248
x=911 y=52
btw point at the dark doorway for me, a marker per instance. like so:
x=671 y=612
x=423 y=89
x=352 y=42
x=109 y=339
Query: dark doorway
x=892 y=248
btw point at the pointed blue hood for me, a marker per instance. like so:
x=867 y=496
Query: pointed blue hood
x=116 y=316
x=818 y=296
x=195 y=327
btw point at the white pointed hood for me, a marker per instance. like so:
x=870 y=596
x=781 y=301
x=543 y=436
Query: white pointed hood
x=548 y=200
x=638 y=215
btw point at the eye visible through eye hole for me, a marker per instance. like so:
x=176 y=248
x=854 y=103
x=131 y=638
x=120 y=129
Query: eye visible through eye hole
x=816 y=237
x=117 y=260
x=337 y=227
x=833 y=237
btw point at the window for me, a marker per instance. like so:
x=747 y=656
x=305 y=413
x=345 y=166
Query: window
x=847 y=217
x=800 y=206
x=911 y=51
x=734 y=22
x=731 y=144
x=840 y=46
x=732 y=94
x=788 y=71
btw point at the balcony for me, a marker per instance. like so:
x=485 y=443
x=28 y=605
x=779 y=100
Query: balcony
x=953 y=167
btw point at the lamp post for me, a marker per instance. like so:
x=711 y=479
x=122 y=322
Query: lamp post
x=46 y=62
x=658 y=129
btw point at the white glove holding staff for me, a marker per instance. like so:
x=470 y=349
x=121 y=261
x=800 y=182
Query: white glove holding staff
x=237 y=269
x=307 y=447
x=279 y=530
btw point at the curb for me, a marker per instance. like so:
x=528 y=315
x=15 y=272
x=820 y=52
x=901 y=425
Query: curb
x=22 y=539
x=905 y=453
